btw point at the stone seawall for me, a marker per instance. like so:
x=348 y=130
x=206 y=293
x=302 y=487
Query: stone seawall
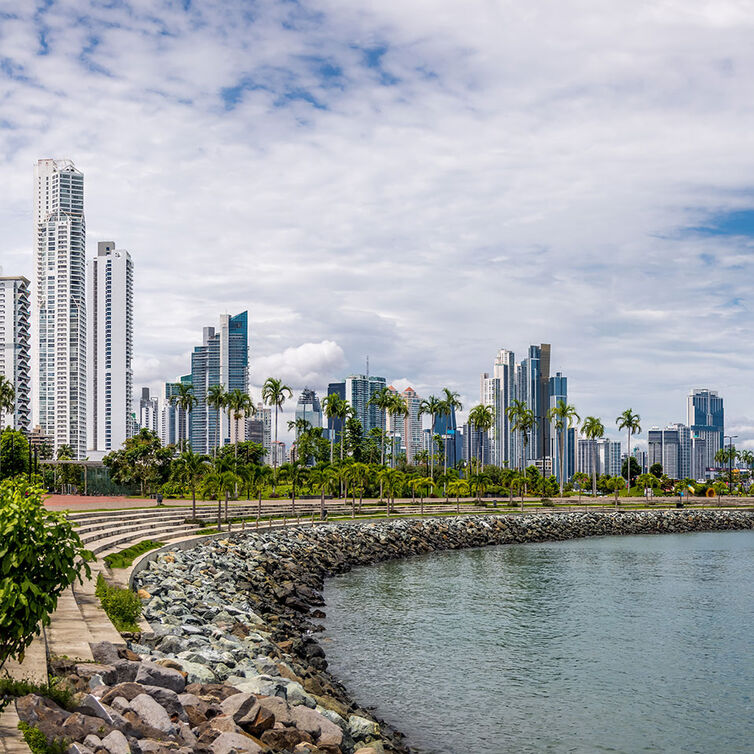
x=243 y=610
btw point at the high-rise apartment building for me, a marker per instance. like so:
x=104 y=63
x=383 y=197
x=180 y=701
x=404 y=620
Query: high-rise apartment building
x=359 y=389
x=705 y=418
x=222 y=359
x=173 y=429
x=149 y=414
x=335 y=425
x=606 y=454
x=533 y=378
x=111 y=295
x=259 y=429
x=59 y=305
x=308 y=409
x=406 y=429
x=15 y=349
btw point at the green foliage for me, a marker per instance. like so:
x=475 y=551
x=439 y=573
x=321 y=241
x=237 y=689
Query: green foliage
x=40 y=556
x=122 y=606
x=61 y=695
x=142 y=460
x=124 y=558
x=656 y=470
x=635 y=468
x=14 y=453
x=38 y=743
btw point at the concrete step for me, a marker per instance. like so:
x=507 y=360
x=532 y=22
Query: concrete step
x=68 y=633
x=119 y=541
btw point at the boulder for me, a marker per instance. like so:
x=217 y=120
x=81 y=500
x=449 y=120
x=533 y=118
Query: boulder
x=196 y=709
x=116 y=743
x=151 y=713
x=257 y=720
x=77 y=727
x=215 y=692
x=226 y=743
x=361 y=728
x=104 y=652
x=324 y=731
x=196 y=672
x=86 y=670
x=151 y=674
x=126 y=690
x=90 y=705
x=284 y=738
x=279 y=708
x=209 y=731
x=43 y=713
x=238 y=705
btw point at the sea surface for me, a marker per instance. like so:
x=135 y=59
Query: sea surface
x=615 y=644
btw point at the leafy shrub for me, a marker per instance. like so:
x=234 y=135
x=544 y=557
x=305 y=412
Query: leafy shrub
x=122 y=606
x=61 y=695
x=126 y=557
x=40 y=556
x=37 y=741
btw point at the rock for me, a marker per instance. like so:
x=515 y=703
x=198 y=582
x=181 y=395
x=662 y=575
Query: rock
x=238 y=705
x=126 y=670
x=197 y=673
x=284 y=738
x=79 y=748
x=104 y=652
x=151 y=713
x=373 y=747
x=43 y=713
x=115 y=742
x=87 y=670
x=215 y=692
x=150 y=674
x=150 y=746
x=319 y=727
x=90 y=705
x=279 y=708
x=93 y=742
x=77 y=727
x=126 y=690
x=295 y=694
x=209 y=731
x=361 y=728
x=226 y=743
x=195 y=708
x=257 y=720
x=167 y=699
x=143 y=594
x=264 y=685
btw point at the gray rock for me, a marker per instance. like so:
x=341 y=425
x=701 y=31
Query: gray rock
x=238 y=705
x=264 y=685
x=323 y=730
x=196 y=673
x=151 y=713
x=295 y=694
x=90 y=705
x=96 y=681
x=126 y=670
x=93 y=742
x=104 y=652
x=225 y=743
x=361 y=728
x=116 y=743
x=150 y=674
x=86 y=670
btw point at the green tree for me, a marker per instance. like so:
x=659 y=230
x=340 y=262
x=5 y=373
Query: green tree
x=142 y=460
x=217 y=399
x=334 y=408
x=239 y=406
x=7 y=404
x=563 y=416
x=616 y=484
x=14 y=452
x=629 y=421
x=185 y=400
x=581 y=480
x=458 y=488
x=41 y=555
x=594 y=429
x=522 y=421
x=397 y=407
x=451 y=402
x=189 y=469
x=274 y=393
x=656 y=470
x=482 y=417
x=720 y=489
x=647 y=482
x=382 y=399
x=432 y=407
x=726 y=457
x=635 y=468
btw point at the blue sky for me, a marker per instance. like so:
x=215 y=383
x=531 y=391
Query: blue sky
x=424 y=183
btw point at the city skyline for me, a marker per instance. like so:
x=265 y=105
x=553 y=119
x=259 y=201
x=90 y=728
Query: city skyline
x=485 y=215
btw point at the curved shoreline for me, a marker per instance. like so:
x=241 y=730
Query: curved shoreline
x=242 y=609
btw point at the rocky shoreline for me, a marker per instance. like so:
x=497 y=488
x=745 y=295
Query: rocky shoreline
x=233 y=663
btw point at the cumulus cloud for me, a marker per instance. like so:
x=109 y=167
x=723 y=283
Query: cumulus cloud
x=421 y=183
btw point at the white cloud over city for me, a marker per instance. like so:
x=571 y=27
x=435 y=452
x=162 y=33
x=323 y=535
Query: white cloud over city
x=422 y=183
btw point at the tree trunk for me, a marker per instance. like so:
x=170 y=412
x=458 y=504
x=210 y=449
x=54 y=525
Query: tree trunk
x=322 y=503
x=594 y=467
x=562 y=463
x=193 y=502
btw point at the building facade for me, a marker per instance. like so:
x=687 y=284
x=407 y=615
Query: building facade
x=110 y=350
x=705 y=417
x=149 y=414
x=359 y=389
x=335 y=425
x=15 y=349
x=174 y=429
x=308 y=409
x=222 y=359
x=59 y=342
x=604 y=453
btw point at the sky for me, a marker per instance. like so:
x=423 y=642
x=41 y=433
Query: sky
x=423 y=183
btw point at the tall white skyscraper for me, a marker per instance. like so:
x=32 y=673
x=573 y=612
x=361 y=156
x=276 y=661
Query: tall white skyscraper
x=110 y=349
x=15 y=348
x=59 y=305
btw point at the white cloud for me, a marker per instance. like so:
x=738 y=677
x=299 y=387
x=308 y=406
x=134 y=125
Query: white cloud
x=495 y=178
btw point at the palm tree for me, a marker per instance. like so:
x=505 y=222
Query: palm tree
x=239 y=405
x=274 y=393
x=189 y=469
x=594 y=429
x=382 y=399
x=629 y=421
x=185 y=400
x=360 y=473
x=7 y=402
x=451 y=402
x=396 y=407
x=387 y=477
x=217 y=399
x=431 y=406
x=483 y=418
x=343 y=412
x=522 y=420
x=564 y=416
x=458 y=487
x=331 y=406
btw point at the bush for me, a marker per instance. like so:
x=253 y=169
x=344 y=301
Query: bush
x=37 y=741
x=40 y=556
x=11 y=688
x=122 y=606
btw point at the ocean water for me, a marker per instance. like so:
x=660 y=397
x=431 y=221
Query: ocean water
x=614 y=644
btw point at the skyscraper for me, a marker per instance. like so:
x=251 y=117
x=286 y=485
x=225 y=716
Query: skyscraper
x=222 y=359
x=359 y=389
x=59 y=305
x=173 y=427
x=706 y=421
x=111 y=294
x=335 y=425
x=148 y=411
x=308 y=409
x=15 y=348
